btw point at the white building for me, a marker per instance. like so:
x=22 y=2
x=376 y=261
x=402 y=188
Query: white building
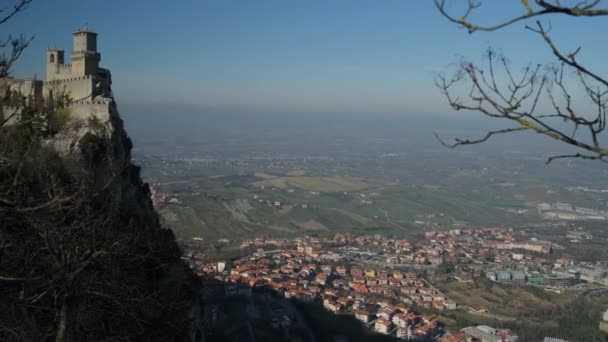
x=221 y=266
x=489 y=334
x=383 y=326
x=404 y=333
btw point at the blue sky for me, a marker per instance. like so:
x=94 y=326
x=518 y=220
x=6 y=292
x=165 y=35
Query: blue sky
x=287 y=56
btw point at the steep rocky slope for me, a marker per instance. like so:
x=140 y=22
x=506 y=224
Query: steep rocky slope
x=83 y=256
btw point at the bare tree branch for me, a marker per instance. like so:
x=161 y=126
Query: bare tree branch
x=518 y=102
x=7 y=13
x=583 y=9
x=459 y=142
x=517 y=98
x=570 y=59
x=577 y=155
x=18 y=279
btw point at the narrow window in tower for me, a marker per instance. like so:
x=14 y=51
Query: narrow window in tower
x=52 y=58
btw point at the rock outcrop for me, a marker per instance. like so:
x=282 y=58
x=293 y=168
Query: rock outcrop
x=99 y=264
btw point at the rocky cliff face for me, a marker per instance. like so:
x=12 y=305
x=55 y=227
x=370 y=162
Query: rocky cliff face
x=94 y=135
x=99 y=265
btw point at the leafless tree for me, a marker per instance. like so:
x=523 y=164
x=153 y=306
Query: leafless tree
x=73 y=265
x=12 y=46
x=69 y=271
x=498 y=91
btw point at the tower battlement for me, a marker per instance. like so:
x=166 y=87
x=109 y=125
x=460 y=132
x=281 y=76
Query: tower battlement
x=82 y=79
x=85 y=58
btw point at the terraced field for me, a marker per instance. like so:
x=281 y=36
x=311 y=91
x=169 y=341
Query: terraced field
x=532 y=312
x=318 y=184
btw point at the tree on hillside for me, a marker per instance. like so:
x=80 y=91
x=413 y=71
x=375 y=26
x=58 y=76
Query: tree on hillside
x=77 y=261
x=11 y=48
x=540 y=98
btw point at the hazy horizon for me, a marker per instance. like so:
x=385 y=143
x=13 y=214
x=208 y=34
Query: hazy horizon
x=209 y=132
x=349 y=57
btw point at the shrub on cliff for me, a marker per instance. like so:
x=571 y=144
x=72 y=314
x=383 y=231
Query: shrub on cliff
x=82 y=254
x=71 y=268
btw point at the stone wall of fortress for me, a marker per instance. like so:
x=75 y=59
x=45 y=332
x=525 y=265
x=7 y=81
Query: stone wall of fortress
x=88 y=109
x=84 y=110
x=59 y=71
x=79 y=88
x=27 y=88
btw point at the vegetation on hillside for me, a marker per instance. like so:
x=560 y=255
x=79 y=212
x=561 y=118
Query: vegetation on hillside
x=533 y=312
x=71 y=269
x=82 y=254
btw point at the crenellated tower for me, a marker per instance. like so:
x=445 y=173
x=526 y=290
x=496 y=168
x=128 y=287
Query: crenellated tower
x=85 y=58
x=83 y=79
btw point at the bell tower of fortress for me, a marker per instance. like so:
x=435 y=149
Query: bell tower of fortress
x=85 y=58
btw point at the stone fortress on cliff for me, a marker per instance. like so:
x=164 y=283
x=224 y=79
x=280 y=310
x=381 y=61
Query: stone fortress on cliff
x=83 y=81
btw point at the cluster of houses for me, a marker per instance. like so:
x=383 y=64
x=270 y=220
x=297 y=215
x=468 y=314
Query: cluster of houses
x=323 y=270
x=378 y=298
x=479 y=249
x=267 y=202
x=158 y=198
x=355 y=275
x=438 y=247
x=480 y=246
x=532 y=246
x=266 y=241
